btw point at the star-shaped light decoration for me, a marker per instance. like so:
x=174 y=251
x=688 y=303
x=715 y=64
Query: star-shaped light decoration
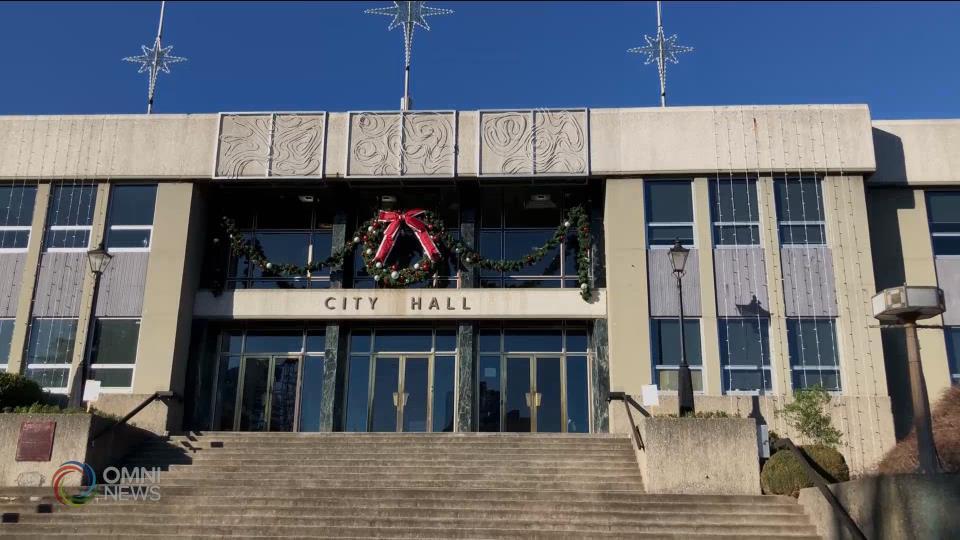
x=661 y=49
x=409 y=15
x=155 y=59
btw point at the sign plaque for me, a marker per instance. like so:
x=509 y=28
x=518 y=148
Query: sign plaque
x=36 y=441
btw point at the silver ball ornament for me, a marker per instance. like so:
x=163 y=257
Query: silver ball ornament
x=394 y=274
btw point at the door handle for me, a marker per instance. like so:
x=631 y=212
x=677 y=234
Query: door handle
x=400 y=399
x=396 y=399
x=537 y=396
x=533 y=399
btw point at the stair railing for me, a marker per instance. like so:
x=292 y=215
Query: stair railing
x=629 y=402
x=164 y=395
x=822 y=485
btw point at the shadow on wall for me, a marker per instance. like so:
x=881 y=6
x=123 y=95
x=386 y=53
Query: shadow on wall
x=891 y=163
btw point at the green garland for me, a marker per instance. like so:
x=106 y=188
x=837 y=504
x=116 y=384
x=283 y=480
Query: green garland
x=369 y=235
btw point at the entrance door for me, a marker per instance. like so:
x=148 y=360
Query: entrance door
x=533 y=400
x=401 y=397
x=267 y=398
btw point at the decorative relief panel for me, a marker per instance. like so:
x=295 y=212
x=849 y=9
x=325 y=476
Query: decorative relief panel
x=402 y=144
x=547 y=142
x=257 y=145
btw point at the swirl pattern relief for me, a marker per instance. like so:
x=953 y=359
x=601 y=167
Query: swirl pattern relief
x=507 y=140
x=277 y=144
x=533 y=142
x=297 y=145
x=428 y=144
x=424 y=147
x=560 y=143
x=244 y=145
x=374 y=145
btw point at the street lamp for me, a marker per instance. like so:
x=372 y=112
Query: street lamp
x=678 y=259
x=97 y=258
x=904 y=306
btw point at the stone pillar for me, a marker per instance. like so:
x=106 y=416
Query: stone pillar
x=709 y=333
x=600 y=366
x=334 y=365
x=28 y=280
x=467 y=330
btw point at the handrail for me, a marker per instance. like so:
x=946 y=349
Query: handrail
x=821 y=484
x=628 y=401
x=154 y=397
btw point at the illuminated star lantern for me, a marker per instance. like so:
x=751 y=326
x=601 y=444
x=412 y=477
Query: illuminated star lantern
x=409 y=15
x=652 y=51
x=156 y=55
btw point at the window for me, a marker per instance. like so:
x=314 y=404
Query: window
x=669 y=209
x=812 y=347
x=515 y=221
x=16 y=215
x=943 y=211
x=953 y=352
x=736 y=218
x=70 y=218
x=665 y=339
x=114 y=352
x=745 y=355
x=130 y=217
x=289 y=231
x=6 y=336
x=50 y=352
x=800 y=210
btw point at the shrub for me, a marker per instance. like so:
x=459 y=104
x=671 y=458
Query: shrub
x=783 y=474
x=18 y=391
x=807 y=414
x=39 y=408
x=902 y=458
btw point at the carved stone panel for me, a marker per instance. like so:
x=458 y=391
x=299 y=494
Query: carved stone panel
x=402 y=144
x=271 y=144
x=541 y=142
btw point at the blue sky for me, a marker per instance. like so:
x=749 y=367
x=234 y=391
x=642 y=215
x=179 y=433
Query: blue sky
x=900 y=58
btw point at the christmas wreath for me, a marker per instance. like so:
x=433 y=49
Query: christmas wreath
x=377 y=236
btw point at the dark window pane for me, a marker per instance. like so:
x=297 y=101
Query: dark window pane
x=811 y=342
x=16 y=205
x=358 y=379
x=744 y=342
x=734 y=200
x=746 y=380
x=403 y=341
x=6 y=336
x=576 y=341
x=311 y=393
x=665 y=339
x=946 y=227
x=273 y=341
x=51 y=341
x=126 y=238
x=743 y=235
x=70 y=238
x=14 y=239
x=519 y=244
x=669 y=202
x=115 y=341
x=132 y=205
x=667 y=379
x=49 y=378
x=799 y=199
x=535 y=207
x=281 y=247
x=946 y=245
x=953 y=351
x=534 y=340
x=665 y=236
x=282 y=212
x=316 y=341
x=231 y=341
x=489 y=340
x=322 y=245
x=488 y=393
x=446 y=340
x=359 y=341
x=112 y=378
x=802 y=234
x=227 y=390
x=71 y=205
x=578 y=407
x=829 y=379
x=942 y=206
x=444 y=377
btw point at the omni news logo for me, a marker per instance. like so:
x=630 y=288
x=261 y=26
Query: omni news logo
x=119 y=484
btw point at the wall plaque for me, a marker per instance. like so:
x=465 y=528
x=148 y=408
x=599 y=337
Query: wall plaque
x=35 y=442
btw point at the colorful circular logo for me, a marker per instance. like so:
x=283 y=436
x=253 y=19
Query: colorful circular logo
x=89 y=479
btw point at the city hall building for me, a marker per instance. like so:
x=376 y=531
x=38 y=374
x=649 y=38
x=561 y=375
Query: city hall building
x=339 y=271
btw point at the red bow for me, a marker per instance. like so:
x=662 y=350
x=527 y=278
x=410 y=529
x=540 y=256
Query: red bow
x=396 y=220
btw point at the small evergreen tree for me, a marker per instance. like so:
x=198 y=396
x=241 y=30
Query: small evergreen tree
x=807 y=414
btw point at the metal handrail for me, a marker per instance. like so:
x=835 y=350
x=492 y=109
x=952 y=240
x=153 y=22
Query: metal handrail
x=628 y=401
x=154 y=397
x=821 y=484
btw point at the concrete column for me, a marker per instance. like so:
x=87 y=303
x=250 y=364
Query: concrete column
x=85 y=315
x=467 y=330
x=769 y=235
x=600 y=366
x=709 y=334
x=334 y=356
x=31 y=266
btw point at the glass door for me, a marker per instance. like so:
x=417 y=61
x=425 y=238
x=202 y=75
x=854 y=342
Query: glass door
x=533 y=397
x=519 y=398
x=268 y=395
x=401 y=394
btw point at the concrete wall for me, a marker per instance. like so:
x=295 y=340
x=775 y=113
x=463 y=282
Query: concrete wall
x=917 y=152
x=898 y=507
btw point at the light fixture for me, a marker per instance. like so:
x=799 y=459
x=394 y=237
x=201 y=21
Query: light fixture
x=98 y=258
x=388 y=200
x=305 y=198
x=678 y=256
x=539 y=201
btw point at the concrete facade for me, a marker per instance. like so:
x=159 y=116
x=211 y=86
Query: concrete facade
x=874 y=217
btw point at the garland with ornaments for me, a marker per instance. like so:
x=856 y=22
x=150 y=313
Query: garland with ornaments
x=377 y=236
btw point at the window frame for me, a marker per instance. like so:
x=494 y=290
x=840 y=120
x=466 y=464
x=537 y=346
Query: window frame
x=49 y=228
x=654 y=224
x=716 y=222
x=930 y=223
x=765 y=369
x=231 y=280
x=67 y=366
x=132 y=367
x=5 y=360
x=953 y=353
x=780 y=212
x=111 y=227
x=819 y=368
x=14 y=228
x=656 y=367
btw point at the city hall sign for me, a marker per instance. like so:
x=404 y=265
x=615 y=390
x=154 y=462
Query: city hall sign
x=282 y=304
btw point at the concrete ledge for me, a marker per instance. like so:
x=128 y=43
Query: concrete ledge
x=901 y=507
x=700 y=455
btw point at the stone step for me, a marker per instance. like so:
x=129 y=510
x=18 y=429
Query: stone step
x=392 y=435
x=349 y=534
x=602 y=485
x=387 y=447
x=393 y=475
x=269 y=465
x=374 y=453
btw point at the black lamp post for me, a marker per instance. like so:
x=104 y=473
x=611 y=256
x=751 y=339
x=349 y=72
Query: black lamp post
x=678 y=259
x=98 y=258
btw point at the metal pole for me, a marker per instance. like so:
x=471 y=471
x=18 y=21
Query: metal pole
x=922 y=424
x=156 y=60
x=685 y=380
x=408 y=34
x=660 y=65
x=76 y=394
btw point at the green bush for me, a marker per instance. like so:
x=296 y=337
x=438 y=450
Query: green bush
x=18 y=391
x=783 y=474
x=39 y=408
x=808 y=416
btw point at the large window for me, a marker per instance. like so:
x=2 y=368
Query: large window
x=943 y=210
x=514 y=221
x=70 y=218
x=953 y=352
x=114 y=352
x=736 y=218
x=812 y=346
x=16 y=215
x=745 y=355
x=665 y=341
x=50 y=352
x=130 y=217
x=6 y=336
x=669 y=210
x=289 y=230
x=800 y=216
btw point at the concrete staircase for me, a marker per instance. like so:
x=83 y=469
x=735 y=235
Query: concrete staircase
x=339 y=485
